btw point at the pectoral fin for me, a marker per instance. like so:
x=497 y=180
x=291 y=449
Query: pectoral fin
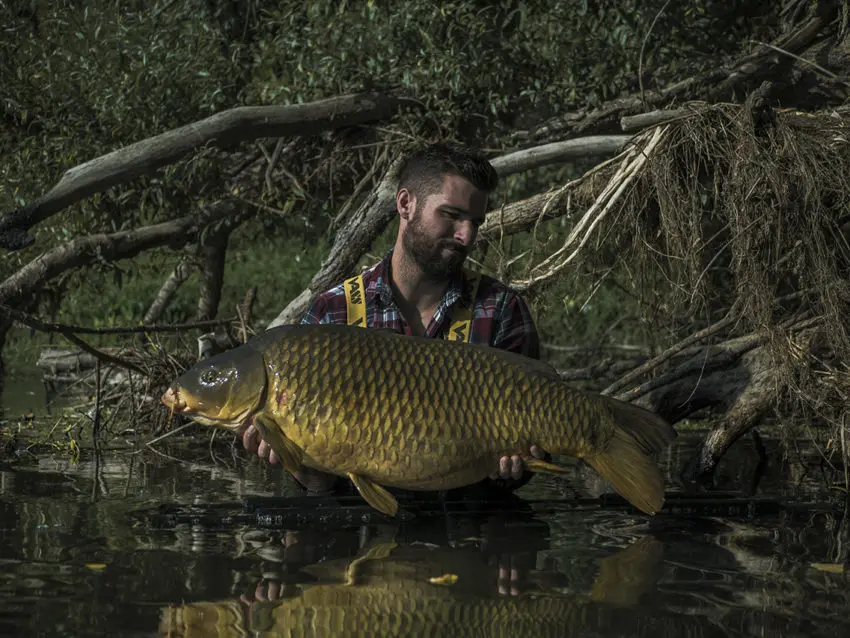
x=290 y=454
x=545 y=467
x=377 y=496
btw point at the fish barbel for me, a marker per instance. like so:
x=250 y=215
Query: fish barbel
x=416 y=413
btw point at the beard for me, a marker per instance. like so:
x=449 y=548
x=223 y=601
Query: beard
x=439 y=260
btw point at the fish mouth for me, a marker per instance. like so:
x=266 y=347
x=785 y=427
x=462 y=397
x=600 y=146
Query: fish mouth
x=172 y=400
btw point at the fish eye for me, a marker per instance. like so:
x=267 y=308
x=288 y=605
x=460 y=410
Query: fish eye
x=209 y=376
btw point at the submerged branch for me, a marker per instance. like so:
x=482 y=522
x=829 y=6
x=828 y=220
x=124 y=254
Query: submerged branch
x=35 y=324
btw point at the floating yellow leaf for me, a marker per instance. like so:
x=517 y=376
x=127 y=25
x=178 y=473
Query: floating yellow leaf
x=96 y=566
x=832 y=568
x=445 y=579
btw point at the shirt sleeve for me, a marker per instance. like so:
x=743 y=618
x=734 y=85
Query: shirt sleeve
x=317 y=312
x=515 y=329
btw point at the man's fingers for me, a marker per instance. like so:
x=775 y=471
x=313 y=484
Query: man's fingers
x=263 y=450
x=274 y=590
x=250 y=438
x=504 y=580
x=273 y=457
x=505 y=467
x=517 y=467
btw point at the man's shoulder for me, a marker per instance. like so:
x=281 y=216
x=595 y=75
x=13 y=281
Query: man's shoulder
x=495 y=290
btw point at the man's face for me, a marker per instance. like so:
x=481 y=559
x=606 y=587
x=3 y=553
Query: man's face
x=438 y=234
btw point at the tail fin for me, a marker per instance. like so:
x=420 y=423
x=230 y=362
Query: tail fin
x=626 y=462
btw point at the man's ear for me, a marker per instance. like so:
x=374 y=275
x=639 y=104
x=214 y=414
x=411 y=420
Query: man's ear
x=405 y=203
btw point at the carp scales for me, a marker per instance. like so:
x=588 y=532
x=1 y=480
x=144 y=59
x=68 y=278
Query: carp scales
x=386 y=409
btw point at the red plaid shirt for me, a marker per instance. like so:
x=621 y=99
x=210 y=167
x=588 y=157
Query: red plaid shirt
x=500 y=317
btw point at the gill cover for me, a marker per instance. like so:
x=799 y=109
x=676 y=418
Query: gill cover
x=224 y=389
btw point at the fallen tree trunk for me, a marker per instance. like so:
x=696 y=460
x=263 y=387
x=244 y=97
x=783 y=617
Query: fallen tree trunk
x=222 y=130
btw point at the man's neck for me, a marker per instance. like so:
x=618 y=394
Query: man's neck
x=416 y=295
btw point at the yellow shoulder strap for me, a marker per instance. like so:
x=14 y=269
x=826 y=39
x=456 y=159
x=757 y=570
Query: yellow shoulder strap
x=355 y=301
x=461 y=328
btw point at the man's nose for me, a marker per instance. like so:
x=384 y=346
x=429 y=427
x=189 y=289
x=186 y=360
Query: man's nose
x=465 y=232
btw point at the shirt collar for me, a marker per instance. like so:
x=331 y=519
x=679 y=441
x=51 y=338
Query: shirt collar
x=459 y=286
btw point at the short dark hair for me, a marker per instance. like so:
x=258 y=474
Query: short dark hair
x=423 y=172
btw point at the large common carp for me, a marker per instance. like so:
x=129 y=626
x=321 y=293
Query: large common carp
x=416 y=413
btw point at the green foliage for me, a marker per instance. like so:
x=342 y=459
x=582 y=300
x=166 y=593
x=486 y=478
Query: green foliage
x=80 y=80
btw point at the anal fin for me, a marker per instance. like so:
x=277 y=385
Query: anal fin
x=377 y=496
x=378 y=552
x=290 y=454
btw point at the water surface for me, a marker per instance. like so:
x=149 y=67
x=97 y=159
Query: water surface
x=140 y=544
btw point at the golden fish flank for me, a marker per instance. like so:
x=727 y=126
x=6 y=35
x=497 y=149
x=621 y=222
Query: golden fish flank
x=386 y=409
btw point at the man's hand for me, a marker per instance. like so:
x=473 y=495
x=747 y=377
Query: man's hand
x=512 y=467
x=252 y=442
x=310 y=479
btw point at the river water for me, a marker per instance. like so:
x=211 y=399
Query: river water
x=198 y=539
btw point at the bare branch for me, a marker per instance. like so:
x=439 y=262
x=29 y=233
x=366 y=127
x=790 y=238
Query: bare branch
x=45 y=326
x=223 y=129
x=93 y=248
x=557 y=152
x=167 y=291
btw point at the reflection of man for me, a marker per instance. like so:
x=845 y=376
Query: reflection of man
x=493 y=554
x=420 y=287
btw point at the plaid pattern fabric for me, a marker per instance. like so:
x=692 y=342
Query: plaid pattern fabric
x=500 y=317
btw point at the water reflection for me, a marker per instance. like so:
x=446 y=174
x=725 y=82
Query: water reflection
x=81 y=553
x=392 y=587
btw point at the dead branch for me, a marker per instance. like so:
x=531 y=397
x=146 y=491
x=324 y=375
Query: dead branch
x=670 y=352
x=632 y=163
x=558 y=152
x=221 y=130
x=93 y=248
x=167 y=291
x=34 y=323
x=213 y=255
x=744 y=410
x=634 y=123
x=713 y=85
x=720 y=356
x=46 y=326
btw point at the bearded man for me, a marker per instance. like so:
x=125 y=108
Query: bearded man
x=421 y=288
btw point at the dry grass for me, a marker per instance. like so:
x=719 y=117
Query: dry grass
x=733 y=208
